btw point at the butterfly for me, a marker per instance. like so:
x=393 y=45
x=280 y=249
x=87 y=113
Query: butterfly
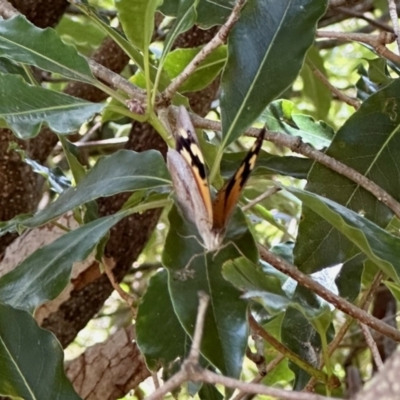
x=189 y=178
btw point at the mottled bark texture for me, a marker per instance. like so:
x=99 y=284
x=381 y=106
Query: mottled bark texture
x=108 y=370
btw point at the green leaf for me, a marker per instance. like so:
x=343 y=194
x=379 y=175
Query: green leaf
x=394 y=289
x=378 y=71
x=123 y=171
x=81 y=32
x=114 y=34
x=282 y=372
x=25 y=108
x=44 y=274
x=205 y=73
x=257 y=283
x=71 y=154
x=280 y=116
x=318 y=93
x=349 y=278
x=377 y=244
x=160 y=347
x=169 y=7
x=137 y=19
x=299 y=335
x=262 y=63
x=185 y=19
x=210 y=392
x=211 y=13
x=32 y=360
x=23 y=42
x=9 y=67
x=192 y=270
x=367 y=142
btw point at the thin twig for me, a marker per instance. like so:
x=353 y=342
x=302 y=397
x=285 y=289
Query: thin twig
x=261 y=197
x=271 y=366
x=124 y=296
x=259 y=330
x=214 y=379
x=216 y=41
x=395 y=21
x=372 y=345
x=199 y=327
x=117 y=81
x=373 y=22
x=296 y=145
x=364 y=304
x=330 y=297
x=190 y=364
x=192 y=371
x=155 y=380
x=341 y=96
x=377 y=42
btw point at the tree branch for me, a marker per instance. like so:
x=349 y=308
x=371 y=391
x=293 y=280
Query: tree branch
x=395 y=21
x=219 y=39
x=117 y=81
x=319 y=375
x=296 y=145
x=364 y=303
x=341 y=96
x=337 y=301
x=377 y=42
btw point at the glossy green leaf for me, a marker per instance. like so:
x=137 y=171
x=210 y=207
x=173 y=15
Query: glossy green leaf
x=275 y=291
x=137 y=19
x=9 y=67
x=186 y=17
x=280 y=116
x=281 y=372
x=169 y=7
x=209 y=392
x=367 y=142
x=192 y=270
x=299 y=335
x=114 y=34
x=377 y=244
x=25 y=108
x=71 y=154
x=32 y=360
x=349 y=278
x=44 y=274
x=210 y=13
x=205 y=73
x=378 y=72
x=262 y=63
x=394 y=289
x=372 y=79
x=23 y=42
x=257 y=283
x=160 y=347
x=313 y=88
x=123 y=171
x=81 y=32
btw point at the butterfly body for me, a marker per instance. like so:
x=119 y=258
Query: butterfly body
x=189 y=176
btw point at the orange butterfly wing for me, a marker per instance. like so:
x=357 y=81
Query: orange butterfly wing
x=229 y=195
